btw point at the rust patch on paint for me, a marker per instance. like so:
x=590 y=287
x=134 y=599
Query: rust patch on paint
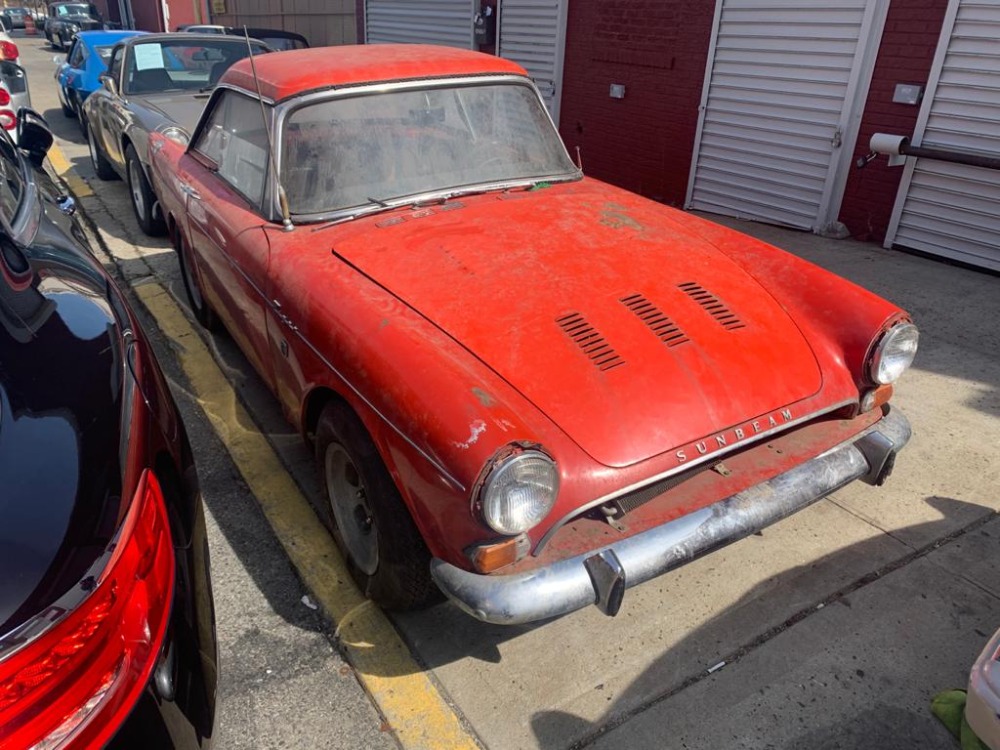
x=615 y=216
x=483 y=397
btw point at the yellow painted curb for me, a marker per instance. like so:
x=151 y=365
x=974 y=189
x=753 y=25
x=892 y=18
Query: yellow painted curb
x=65 y=170
x=414 y=708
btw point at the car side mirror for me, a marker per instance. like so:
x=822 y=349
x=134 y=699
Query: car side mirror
x=109 y=84
x=33 y=135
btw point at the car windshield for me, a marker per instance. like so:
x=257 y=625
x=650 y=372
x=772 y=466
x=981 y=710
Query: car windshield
x=177 y=64
x=375 y=148
x=104 y=53
x=80 y=9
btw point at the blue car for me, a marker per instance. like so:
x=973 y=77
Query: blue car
x=77 y=73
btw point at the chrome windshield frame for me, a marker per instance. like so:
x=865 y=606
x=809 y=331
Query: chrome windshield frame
x=286 y=107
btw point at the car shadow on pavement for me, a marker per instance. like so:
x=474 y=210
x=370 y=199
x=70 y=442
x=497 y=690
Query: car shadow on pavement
x=857 y=668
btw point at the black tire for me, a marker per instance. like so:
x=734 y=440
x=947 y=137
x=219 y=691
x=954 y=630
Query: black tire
x=66 y=104
x=202 y=310
x=80 y=118
x=400 y=577
x=102 y=167
x=143 y=199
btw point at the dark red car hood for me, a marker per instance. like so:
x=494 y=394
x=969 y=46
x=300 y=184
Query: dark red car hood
x=630 y=333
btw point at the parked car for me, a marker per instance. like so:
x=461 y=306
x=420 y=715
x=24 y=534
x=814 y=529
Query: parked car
x=15 y=17
x=66 y=19
x=982 y=707
x=107 y=636
x=8 y=48
x=78 y=72
x=276 y=39
x=14 y=95
x=525 y=386
x=154 y=83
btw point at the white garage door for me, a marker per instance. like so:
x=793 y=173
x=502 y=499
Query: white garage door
x=447 y=22
x=533 y=34
x=953 y=210
x=781 y=107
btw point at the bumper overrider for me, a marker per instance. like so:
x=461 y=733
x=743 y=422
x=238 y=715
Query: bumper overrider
x=600 y=577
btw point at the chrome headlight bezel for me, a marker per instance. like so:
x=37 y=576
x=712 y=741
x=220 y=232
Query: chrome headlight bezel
x=510 y=472
x=893 y=353
x=175 y=133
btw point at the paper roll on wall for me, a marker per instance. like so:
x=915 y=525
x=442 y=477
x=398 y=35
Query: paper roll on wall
x=884 y=143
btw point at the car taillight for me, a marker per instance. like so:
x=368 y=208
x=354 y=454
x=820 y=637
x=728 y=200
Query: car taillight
x=72 y=685
x=8 y=120
x=8 y=51
x=4 y=97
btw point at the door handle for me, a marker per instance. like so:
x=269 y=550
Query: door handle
x=190 y=191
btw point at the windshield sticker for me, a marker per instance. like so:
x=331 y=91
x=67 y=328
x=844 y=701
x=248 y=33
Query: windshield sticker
x=148 y=56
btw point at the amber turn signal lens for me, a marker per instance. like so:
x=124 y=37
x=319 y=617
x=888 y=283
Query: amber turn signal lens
x=876 y=398
x=489 y=557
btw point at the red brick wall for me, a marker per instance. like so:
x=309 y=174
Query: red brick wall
x=658 y=50
x=911 y=35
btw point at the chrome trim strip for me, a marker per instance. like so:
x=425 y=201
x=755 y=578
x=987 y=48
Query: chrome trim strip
x=686 y=466
x=567 y=585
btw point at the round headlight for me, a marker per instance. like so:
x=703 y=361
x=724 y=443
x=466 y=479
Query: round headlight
x=177 y=134
x=519 y=492
x=894 y=353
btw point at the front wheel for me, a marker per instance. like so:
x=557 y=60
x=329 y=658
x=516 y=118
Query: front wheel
x=371 y=525
x=102 y=167
x=203 y=312
x=143 y=200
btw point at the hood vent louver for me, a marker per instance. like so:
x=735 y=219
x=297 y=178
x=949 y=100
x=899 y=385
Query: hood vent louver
x=593 y=344
x=665 y=329
x=713 y=306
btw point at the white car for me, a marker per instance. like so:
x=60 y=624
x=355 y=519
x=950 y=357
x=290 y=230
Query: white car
x=982 y=707
x=8 y=49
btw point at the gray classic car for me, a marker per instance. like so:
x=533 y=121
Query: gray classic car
x=155 y=83
x=66 y=19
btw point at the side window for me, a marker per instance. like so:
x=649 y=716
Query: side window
x=75 y=57
x=235 y=141
x=115 y=65
x=11 y=180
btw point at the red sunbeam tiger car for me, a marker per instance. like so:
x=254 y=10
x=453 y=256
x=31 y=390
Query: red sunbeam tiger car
x=526 y=388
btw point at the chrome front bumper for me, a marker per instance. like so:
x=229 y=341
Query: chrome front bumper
x=600 y=577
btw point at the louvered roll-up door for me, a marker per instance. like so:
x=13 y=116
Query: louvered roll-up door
x=777 y=109
x=953 y=210
x=447 y=22
x=533 y=34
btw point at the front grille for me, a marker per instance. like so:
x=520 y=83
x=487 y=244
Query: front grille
x=590 y=341
x=665 y=329
x=713 y=305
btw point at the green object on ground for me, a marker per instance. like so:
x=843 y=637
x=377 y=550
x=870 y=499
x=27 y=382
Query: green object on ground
x=949 y=707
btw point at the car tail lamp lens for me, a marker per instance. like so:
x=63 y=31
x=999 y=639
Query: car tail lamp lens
x=894 y=353
x=8 y=51
x=74 y=683
x=4 y=97
x=8 y=120
x=519 y=492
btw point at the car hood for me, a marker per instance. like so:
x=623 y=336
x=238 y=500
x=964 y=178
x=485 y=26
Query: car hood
x=61 y=375
x=181 y=108
x=628 y=331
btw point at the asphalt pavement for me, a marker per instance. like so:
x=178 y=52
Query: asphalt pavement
x=832 y=629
